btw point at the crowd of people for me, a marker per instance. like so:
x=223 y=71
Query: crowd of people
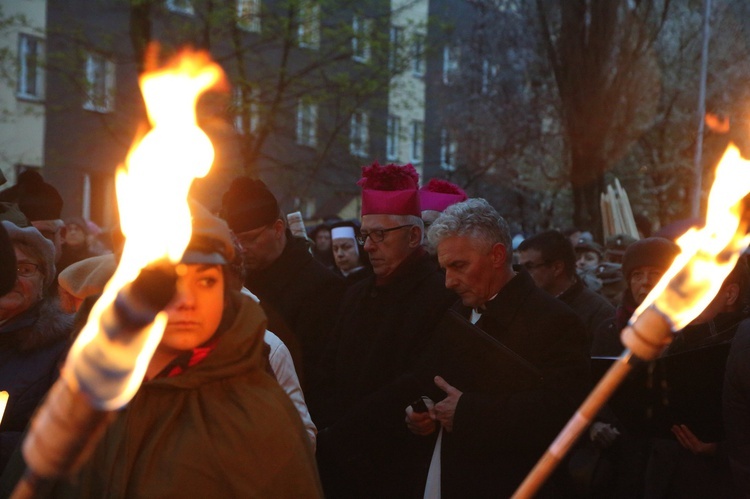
x=419 y=351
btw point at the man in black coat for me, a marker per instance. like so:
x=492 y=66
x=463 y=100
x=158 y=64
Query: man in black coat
x=489 y=441
x=386 y=320
x=298 y=294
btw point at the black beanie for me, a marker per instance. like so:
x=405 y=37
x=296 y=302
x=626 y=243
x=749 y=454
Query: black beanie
x=248 y=204
x=650 y=252
x=38 y=200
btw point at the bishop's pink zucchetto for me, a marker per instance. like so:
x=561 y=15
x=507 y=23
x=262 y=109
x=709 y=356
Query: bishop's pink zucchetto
x=439 y=194
x=390 y=190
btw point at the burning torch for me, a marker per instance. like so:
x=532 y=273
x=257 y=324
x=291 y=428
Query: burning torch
x=707 y=256
x=108 y=360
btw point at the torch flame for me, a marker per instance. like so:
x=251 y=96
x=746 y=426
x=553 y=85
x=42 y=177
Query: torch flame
x=709 y=254
x=152 y=189
x=3 y=403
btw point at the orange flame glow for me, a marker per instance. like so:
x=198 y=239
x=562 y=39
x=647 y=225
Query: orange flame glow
x=152 y=191
x=708 y=254
x=3 y=403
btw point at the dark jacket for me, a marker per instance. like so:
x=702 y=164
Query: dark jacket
x=32 y=346
x=497 y=440
x=606 y=342
x=300 y=297
x=364 y=447
x=221 y=428
x=736 y=408
x=591 y=307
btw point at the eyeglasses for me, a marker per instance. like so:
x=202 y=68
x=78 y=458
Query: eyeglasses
x=377 y=235
x=533 y=266
x=246 y=240
x=27 y=269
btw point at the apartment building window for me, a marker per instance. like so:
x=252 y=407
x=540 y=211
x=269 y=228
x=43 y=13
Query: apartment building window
x=396 y=42
x=246 y=108
x=417 y=133
x=180 y=6
x=100 y=84
x=307 y=122
x=392 y=137
x=248 y=15
x=30 y=83
x=359 y=134
x=417 y=56
x=361 y=29
x=450 y=64
x=308 y=29
x=448 y=148
x=489 y=73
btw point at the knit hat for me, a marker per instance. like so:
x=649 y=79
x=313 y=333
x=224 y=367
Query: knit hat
x=650 y=252
x=44 y=247
x=37 y=199
x=87 y=277
x=390 y=190
x=439 y=194
x=211 y=242
x=248 y=204
x=11 y=213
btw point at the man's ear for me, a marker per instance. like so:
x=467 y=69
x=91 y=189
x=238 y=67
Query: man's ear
x=499 y=255
x=558 y=267
x=278 y=227
x=415 y=236
x=733 y=293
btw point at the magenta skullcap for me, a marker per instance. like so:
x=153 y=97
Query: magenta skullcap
x=439 y=194
x=390 y=190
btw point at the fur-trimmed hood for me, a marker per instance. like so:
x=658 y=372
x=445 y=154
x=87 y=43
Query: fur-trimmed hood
x=39 y=327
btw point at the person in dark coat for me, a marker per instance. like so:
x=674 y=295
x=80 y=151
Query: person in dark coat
x=550 y=260
x=489 y=442
x=736 y=409
x=386 y=321
x=34 y=334
x=321 y=238
x=298 y=294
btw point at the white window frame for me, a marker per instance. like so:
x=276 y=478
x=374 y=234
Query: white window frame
x=180 y=6
x=417 y=141
x=451 y=55
x=448 y=150
x=307 y=123
x=30 y=67
x=248 y=15
x=100 y=83
x=393 y=138
x=361 y=30
x=359 y=134
x=308 y=27
x=251 y=105
x=418 y=60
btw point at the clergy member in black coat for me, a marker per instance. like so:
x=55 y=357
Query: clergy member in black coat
x=298 y=294
x=490 y=441
x=364 y=449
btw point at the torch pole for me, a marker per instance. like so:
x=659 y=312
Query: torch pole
x=645 y=339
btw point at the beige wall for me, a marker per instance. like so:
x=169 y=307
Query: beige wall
x=21 y=122
x=407 y=94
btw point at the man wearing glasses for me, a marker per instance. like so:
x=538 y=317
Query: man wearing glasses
x=385 y=322
x=298 y=294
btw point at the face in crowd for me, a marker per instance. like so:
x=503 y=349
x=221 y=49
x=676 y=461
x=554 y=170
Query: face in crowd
x=541 y=271
x=29 y=287
x=196 y=310
x=345 y=253
x=262 y=246
x=74 y=235
x=642 y=281
x=323 y=240
x=388 y=241
x=471 y=268
x=587 y=260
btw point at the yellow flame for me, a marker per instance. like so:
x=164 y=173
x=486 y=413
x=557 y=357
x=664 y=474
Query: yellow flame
x=709 y=254
x=3 y=403
x=152 y=188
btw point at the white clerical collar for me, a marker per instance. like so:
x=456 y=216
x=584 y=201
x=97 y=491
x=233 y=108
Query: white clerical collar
x=476 y=313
